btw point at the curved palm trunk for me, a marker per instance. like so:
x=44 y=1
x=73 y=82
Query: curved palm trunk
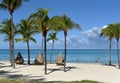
x=12 y=41
x=65 y=34
x=118 y=52
x=52 y=52
x=28 y=52
x=110 y=54
x=45 y=33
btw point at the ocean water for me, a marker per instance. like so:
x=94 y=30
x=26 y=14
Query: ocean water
x=73 y=55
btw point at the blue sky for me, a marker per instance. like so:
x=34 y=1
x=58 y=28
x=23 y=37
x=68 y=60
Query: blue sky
x=91 y=15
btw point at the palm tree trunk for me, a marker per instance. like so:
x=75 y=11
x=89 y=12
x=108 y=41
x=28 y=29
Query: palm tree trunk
x=45 y=33
x=42 y=46
x=10 y=52
x=28 y=52
x=12 y=41
x=65 y=34
x=52 y=52
x=118 y=53
x=110 y=54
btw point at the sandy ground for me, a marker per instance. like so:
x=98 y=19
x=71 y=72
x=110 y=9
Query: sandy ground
x=75 y=71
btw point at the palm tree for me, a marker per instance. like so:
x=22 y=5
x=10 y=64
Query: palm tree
x=52 y=36
x=40 y=18
x=108 y=31
x=6 y=30
x=63 y=23
x=116 y=30
x=26 y=30
x=68 y=24
x=11 y=5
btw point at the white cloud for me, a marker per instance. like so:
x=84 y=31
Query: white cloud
x=93 y=32
x=73 y=42
x=94 y=39
x=91 y=40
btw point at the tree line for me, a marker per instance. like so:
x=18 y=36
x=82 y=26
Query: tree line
x=38 y=22
x=112 y=31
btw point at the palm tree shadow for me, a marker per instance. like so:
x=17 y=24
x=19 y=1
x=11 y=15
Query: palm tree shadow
x=61 y=69
x=22 y=66
x=7 y=74
x=53 y=70
x=5 y=66
x=112 y=65
x=1 y=63
x=69 y=68
x=11 y=75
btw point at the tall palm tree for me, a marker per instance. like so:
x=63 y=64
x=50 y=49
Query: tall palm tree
x=6 y=30
x=52 y=36
x=26 y=30
x=68 y=24
x=11 y=5
x=116 y=31
x=40 y=18
x=63 y=23
x=108 y=32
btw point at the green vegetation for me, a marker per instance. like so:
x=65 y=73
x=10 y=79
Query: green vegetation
x=39 y=21
x=25 y=81
x=108 y=32
x=11 y=6
x=64 y=23
x=5 y=29
x=112 y=31
x=13 y=81
x=26 y=29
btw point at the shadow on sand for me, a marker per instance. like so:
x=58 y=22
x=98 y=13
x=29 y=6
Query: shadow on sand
x=112 y=65
x=60 y=69
x=11 y=75
x=8 y=74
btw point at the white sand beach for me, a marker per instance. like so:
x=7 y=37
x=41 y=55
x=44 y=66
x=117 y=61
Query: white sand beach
x=75 y=71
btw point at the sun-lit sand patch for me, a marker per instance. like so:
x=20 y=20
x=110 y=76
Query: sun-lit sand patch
x=75 y=71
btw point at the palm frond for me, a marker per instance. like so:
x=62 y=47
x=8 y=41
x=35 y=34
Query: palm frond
x=26 y=29
x=5 y=29
x=52 y=36
x=6 y=40
x=3 y=6
x=32 y=39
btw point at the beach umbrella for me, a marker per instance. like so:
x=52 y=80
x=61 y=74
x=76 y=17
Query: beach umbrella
x=39 y=60
x=19 y=59
x=60 y=59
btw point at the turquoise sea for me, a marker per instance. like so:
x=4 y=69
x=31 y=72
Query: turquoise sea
x=73 y=55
